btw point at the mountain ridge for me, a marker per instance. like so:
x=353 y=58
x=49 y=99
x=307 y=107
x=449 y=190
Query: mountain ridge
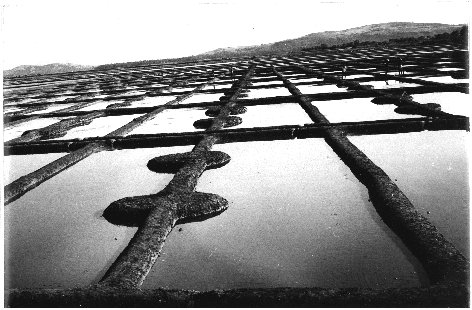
x=45 y=69
x=374 y=32
x=369 y=33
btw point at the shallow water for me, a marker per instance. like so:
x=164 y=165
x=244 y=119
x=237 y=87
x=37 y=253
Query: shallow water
x=321 y=89
x=357 y=110
x=182 y=89
x=172 y=120
x=304 y=80
x=202 y=98
x=17 y=131
x=450 y=69
x=273 y=115
x=297 y=216
x=267 y=83
x=98 y=127
x=16 y=166
x=99 y=105
x=444 y=79
x=318 y=231
x=151 y=101
x=451 y=102
x=431 y=169
x=55 y=234
x=357 y=76
x=52 y=108
x=391 y=84
x=366 y=69
x=217 y=86
x=267 y=92
x=10 y=109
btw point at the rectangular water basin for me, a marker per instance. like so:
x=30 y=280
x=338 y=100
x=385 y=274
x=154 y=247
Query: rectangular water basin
x=431 y=169
x=356 y=110
x=321 y=89
x=268 y=92
x=171 y=121
x=451 y=102
x=99 y=127
x=151 y=102
x=202 y=98
x=297 y=217
x=16 y=131
x=389 y=84
x=55 y=235
x=273 y=115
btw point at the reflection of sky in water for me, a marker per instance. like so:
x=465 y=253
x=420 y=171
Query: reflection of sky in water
x=449 y=69
x=178 y=120
x=273 y=115
x=7 y=109
x=365 y=69
x=296 y=81
x=57 y=238
x=21 y=101
x=451 y=102
x=277 y=82
x=16 y=131
x=268 y=92
x=444 y=79
x=151 y=101
x=16 y=166
x=182 y=89
x=217 y=86
x=357 y=110
x=99 y=105
x=430 y=168
x=357 y=76
x=319 y=230
x=53 y=108
x=321 y=89
x=202 y=98
x=98 y=127
x=391 y=84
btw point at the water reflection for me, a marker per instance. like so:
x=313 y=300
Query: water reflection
x=296 y=218
x=430 y=168
x=16 y=131
x=55 y=234
x=356 y=110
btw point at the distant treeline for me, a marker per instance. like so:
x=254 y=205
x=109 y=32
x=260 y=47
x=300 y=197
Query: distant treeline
x=456 y=37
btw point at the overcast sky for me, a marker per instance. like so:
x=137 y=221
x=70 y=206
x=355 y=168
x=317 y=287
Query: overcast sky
x=93 y=32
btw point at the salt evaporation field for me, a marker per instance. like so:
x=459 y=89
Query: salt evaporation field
x=98 y=127
x=59 y=238
x=431 y=169
x=297 y=215
x=318 y=231
x=16 y=131
x=357 y=110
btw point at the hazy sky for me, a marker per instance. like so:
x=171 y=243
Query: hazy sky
x=94 y=32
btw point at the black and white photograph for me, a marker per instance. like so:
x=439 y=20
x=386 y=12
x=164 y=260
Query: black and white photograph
x=236 y=153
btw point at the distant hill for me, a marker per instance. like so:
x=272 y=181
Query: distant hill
x=46 y=69
x=373 y=33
